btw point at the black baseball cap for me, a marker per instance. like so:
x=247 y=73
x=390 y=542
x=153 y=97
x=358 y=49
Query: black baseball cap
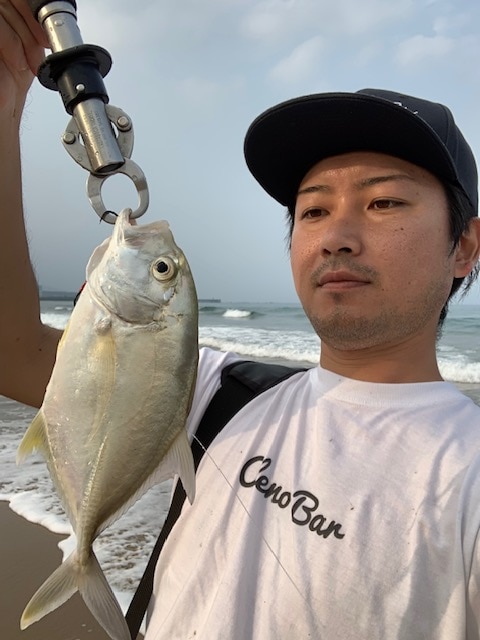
x=286 y=141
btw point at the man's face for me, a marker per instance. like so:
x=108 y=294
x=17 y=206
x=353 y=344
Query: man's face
x=370 y=250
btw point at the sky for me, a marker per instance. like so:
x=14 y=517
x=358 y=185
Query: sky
x=193 y=75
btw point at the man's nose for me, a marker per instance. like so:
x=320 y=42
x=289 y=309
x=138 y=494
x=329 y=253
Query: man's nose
x=341 y=234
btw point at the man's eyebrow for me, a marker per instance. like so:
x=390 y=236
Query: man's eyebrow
x=316 y=188
x=370 y=182
x=362 y=184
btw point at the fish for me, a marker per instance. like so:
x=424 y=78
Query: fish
x=112 y=421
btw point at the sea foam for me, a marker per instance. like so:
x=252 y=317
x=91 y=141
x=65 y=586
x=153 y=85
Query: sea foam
x=237 y=313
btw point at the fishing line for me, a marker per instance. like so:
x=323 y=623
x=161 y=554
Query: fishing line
x=237 y=497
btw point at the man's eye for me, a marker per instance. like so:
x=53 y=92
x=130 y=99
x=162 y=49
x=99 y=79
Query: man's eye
x=386 y=203
x=313 y=213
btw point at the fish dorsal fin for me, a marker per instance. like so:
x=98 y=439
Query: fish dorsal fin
x=96 y=256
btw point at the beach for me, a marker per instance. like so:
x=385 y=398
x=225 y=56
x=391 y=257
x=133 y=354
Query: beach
x=28 y=554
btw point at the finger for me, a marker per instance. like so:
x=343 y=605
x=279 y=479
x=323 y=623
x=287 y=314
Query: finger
x=33 y=25
x=20 y=45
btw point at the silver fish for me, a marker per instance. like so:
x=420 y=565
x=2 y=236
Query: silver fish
x=112 y=420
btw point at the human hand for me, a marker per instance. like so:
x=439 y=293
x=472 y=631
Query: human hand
x=22 y=44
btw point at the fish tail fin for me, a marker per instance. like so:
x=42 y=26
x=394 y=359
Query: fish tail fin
x=56 y=590
x=90 y=581
x=101 y=601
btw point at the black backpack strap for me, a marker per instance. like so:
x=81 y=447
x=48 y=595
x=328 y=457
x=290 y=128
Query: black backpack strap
x=240 y=383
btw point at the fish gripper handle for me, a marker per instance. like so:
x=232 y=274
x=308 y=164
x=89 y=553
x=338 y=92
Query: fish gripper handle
x=36 y=5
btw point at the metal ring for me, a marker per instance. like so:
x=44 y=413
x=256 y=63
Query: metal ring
x=94 y=189
x=76 y=149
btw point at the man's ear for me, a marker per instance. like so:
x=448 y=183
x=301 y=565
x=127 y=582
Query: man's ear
x=468 y=249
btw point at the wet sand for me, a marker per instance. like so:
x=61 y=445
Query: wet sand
x=28 y=554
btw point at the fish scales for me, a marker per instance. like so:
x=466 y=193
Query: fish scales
x=112 y=422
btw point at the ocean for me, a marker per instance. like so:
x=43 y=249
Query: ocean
x=267 y=331
x=271 y=331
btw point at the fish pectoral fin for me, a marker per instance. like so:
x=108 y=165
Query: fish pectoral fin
x=63 y=338
x=179 y=461
x=35 y=439
x=56 y=590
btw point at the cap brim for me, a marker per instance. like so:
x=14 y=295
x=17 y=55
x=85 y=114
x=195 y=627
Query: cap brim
x=285 y=142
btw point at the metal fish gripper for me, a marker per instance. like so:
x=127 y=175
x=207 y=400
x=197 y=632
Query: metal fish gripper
x=99 y=136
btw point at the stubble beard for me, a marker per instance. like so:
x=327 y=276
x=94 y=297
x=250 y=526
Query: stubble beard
x=345 y=329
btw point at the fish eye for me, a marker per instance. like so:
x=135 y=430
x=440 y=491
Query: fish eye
x=164 y=268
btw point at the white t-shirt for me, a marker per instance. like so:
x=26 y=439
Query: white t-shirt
x=331 y=509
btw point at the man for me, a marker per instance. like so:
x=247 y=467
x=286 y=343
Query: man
x=345 y=502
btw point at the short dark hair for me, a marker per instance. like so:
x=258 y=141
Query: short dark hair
x=460 y=212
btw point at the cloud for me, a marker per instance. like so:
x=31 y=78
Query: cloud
x=268 y=19
x=367 y=54
x=419 y=49
x=301 y=63
x=107 y=24
x=162 y=24
x=446 y=24
x=199 y=94
x=277 y=20
x=360 y=18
